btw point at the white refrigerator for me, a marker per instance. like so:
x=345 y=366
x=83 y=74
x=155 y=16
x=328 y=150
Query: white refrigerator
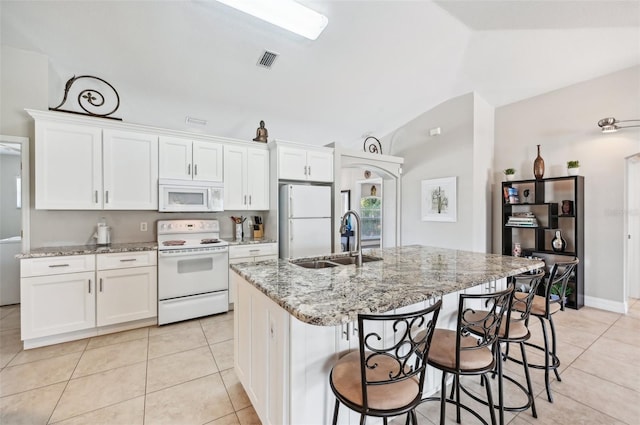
x=305 y=220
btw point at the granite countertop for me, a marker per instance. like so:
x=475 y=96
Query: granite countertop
x=247 y=241
x=405 y=276
x=57 y=251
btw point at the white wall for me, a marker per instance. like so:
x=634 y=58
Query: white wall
x=483 y=151
x=564 y=123
x=464 y=150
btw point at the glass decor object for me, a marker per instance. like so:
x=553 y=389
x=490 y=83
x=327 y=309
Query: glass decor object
x=538 y=166
x=558 y=243
x=517 y=250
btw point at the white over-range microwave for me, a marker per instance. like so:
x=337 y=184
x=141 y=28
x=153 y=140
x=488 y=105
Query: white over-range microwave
x=190 y=196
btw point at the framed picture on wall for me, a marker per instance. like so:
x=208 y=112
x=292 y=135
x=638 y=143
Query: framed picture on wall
x=438 y=199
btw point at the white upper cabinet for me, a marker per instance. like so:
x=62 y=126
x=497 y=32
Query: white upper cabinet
x=185 y=159
x=68 y=166
x=130 y=170
x=246 y=178
x=207 y=161
x=305 y=164
x=83 y=167
x=175 y=158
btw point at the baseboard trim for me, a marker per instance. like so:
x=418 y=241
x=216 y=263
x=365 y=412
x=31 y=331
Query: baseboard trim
x=602 y=304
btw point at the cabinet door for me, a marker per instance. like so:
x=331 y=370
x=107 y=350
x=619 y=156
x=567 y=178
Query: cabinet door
x=207 y=161
x=57 y=304
x=175 y=158
x=125 y=295
x=258 y=179
x=292 y=163
x=130 y=162
x=320 y=166
x=68 y=166
x=235 y=172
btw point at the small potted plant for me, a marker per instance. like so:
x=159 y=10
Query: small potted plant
x=509 y=174
x=573 y=168
x=555 y=292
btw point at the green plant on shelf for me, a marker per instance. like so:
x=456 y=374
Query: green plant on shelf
x=573 y=164
x=510 y=171
x=557 y=288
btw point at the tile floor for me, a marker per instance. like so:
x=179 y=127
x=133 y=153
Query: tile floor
x=183 y=374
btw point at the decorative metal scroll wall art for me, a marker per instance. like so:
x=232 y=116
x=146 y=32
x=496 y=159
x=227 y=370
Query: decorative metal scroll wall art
x=372 y=145
x=90 y=97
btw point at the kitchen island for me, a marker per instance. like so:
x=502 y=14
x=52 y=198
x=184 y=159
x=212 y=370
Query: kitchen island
x=292 y=323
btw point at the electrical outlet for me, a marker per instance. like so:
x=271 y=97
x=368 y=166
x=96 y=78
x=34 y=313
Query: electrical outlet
x=143 y=226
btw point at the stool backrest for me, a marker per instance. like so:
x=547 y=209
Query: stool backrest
x=397 y=343
x=521 y=305
x=484 y=324
x=559 y=275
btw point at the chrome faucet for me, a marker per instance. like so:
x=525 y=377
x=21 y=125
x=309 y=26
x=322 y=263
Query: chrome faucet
x=343 y=228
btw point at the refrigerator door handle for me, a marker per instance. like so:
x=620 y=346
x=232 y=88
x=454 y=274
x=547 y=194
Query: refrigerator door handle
x=291 y=203
x=290 y=230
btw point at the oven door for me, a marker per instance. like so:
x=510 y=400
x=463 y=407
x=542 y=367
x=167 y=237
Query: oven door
x=185 y=272
x=190 y=198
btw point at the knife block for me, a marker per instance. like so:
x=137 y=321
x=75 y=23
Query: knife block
x=258 y=231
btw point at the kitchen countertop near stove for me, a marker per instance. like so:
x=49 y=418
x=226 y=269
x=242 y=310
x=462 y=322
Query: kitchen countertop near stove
x=58 y=251
x=233 y=242
x=405 y=276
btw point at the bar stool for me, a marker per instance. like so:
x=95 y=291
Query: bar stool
x=461 y=354
x=544 y=307
x=513 y=330
x=385 y=376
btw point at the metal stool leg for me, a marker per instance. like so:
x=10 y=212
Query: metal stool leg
x=528 y=378
x=553 y=348
x=547 y=384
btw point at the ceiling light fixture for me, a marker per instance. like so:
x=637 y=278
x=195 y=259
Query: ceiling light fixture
x=285 y=14
x=610 y=125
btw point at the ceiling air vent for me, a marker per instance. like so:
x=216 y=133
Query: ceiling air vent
x=267 y=59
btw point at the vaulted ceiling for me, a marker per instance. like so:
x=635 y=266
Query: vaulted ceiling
x=377 y=65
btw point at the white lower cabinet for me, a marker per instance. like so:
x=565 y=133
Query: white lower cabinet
x=57 y=304
x=250 y=253
x=126 y=293
x=64 y=298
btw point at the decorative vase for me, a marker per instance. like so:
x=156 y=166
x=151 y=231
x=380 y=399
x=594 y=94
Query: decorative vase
x=517 y=250
x=558 y=243
x=509 y=177
x=573 y=171
x=538 y=166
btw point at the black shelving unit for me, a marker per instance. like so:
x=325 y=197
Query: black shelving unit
x=544 y=200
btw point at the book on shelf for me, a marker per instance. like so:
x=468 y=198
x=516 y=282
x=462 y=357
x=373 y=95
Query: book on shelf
x=522 y=219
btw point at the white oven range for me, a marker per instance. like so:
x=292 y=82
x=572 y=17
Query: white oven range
x=193 y=270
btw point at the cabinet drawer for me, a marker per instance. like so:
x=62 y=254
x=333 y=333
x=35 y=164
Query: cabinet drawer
x=123 y=260
x=253 y=250
x=57 y=265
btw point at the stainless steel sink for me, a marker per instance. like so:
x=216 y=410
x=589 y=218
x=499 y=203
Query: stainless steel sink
x=318 y=264
x=352 y=260
x=332 y=262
